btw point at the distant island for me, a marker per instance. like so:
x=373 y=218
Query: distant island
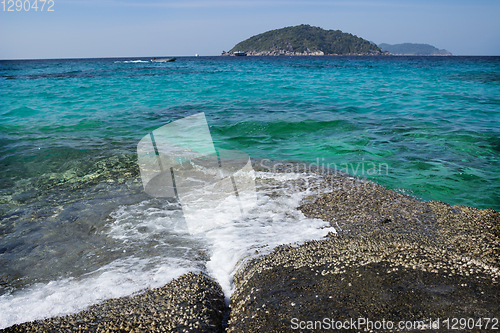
x=305 y=40
x=413 y=49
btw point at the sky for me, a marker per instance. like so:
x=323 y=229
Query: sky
x=147 y=28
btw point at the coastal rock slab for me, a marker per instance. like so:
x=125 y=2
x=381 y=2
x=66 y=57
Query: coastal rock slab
x=394 y=259
x=191 y=303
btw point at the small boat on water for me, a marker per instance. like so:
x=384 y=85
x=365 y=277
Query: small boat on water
x=163 y=59
x=240 y=54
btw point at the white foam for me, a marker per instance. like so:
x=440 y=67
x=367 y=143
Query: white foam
x=65 y=296
x=149 y=218
x=162 y=249
x=274 y=221
x=130 y=61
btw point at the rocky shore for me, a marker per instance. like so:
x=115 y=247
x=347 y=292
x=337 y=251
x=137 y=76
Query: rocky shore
x=191 y=303
x=393 y=259
x=307 y=52
x=277 y=53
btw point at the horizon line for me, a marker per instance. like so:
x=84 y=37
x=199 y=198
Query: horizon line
x=199 y=56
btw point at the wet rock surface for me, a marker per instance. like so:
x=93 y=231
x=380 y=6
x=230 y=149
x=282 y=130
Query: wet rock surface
x=343 y=278
x=191 y=303
x=394 y=258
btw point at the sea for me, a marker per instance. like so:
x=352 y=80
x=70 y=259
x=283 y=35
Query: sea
x=77 y=227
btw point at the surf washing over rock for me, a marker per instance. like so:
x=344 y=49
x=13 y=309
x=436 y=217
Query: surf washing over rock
x=156 y=227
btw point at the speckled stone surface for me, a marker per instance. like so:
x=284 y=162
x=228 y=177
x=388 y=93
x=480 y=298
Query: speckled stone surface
x=394 y=258
x=191 y=303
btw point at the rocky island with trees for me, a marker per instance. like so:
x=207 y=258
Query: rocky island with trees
x=305 y=40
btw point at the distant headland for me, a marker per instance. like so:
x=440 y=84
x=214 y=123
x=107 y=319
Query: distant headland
x=305 y=40
x=413 y=49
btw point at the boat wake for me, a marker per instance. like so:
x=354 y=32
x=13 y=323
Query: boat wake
x=130 y=61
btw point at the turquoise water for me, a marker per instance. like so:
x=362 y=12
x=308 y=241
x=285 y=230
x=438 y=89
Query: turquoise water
x=425 y=126
x=435 y=122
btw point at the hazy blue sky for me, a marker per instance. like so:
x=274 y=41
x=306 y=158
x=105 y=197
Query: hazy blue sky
x=133 y=28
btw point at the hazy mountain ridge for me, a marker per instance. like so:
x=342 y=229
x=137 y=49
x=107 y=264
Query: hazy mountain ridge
x=413 y=49
x=305 y=40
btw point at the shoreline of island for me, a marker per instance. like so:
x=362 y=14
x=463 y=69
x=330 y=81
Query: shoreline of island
x=305 y=53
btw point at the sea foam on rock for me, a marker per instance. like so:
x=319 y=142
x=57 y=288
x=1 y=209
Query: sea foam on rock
x=191 y=303
x=393 y=258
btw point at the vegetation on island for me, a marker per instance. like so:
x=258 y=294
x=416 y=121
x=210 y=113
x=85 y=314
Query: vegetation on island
x=412 y=49
x=305 y=39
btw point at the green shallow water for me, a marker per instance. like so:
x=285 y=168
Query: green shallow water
x=430 y=124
